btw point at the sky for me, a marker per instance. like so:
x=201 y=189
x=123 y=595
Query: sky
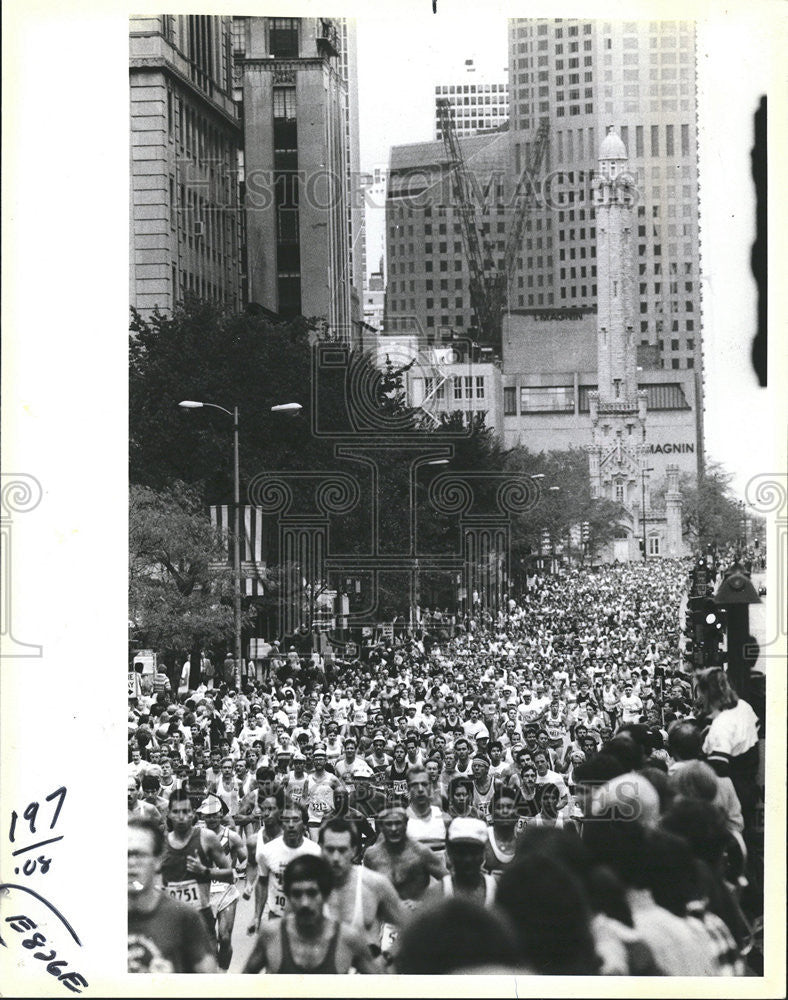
x=389 y=49
x=400 y=59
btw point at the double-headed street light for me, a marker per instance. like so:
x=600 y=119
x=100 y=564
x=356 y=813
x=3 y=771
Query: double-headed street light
x=191 y=404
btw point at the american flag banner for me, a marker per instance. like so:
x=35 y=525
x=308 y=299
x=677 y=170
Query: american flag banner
x=254 y=544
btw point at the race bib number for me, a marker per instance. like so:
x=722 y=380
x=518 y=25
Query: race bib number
x=277 y=902
x=389 y=934
x=184 y=892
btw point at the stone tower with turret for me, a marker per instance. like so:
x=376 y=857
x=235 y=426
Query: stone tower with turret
x=618 y=409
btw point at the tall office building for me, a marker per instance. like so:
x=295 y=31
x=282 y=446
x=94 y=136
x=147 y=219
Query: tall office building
x=348 y=64
x=428 y=277
x=373 y=191
x=184 y=206
x=479 y=106
x=640 y=77
x=296 y=136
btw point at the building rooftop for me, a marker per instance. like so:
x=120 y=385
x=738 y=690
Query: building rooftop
x=422 y=154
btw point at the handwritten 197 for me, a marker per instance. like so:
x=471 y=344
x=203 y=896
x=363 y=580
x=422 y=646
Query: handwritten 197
x=31 y=815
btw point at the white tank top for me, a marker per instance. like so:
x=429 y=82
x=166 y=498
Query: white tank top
x=489 y=888
x=431 y=831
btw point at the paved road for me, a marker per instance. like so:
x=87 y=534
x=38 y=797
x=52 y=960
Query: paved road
x=758 y=624
x=242 y=942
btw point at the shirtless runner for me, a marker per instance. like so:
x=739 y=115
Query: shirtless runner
x=406 y=863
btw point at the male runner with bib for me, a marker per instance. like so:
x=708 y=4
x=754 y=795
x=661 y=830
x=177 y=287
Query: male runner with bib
x=273 y=858
x=193 y=857
x=224 y=896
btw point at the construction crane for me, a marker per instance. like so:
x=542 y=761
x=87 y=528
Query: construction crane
x=489 y=284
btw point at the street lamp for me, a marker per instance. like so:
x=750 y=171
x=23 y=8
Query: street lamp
x=643 y=504
x=192 y=404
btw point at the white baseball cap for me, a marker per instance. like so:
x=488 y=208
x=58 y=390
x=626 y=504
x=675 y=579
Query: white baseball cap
x=467 y=828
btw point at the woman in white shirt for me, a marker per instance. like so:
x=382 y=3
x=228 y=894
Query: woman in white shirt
x=731 y=741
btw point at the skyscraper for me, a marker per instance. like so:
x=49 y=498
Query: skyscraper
x=348 y=63
x=640 y=77
x=296 y=148
x=185 y=135
x=427 y=268
x=478 y=105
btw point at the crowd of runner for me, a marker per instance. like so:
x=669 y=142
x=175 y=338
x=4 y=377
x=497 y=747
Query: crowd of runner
x=548 y=789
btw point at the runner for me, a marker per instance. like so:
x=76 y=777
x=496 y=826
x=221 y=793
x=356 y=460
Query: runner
x=321 y=790
x=224 y=897
x=273 y=857
x=229 y=788
x=270 y=829
x=426 y=822
x=466 y=842
x=361 y=897
x=378 y=760
x=164 y=935
x=483 y=786
x=407 y=864
x=306 y=941
x=397 y=774
x=502 y=837
x=193 y=858
x=297 y=785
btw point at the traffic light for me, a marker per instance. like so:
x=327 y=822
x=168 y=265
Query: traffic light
x=714 y=626
x=693 y=631
x=585 y=531
x=545 y=540
x=704 y=629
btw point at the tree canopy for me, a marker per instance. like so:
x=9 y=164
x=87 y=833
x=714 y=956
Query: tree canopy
x=179 y=582
x=181 y=460
x=710 y=513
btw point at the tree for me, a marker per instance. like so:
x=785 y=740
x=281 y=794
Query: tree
x=710 y=514
x=559 y=510
x=180 y=585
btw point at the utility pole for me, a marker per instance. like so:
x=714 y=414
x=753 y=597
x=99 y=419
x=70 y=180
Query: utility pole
x=643 y=505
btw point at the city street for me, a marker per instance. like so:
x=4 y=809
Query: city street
x=418 y=485
x=242 y=942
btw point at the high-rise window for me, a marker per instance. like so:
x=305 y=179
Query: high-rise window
x=546 y=399
x=283 y=37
